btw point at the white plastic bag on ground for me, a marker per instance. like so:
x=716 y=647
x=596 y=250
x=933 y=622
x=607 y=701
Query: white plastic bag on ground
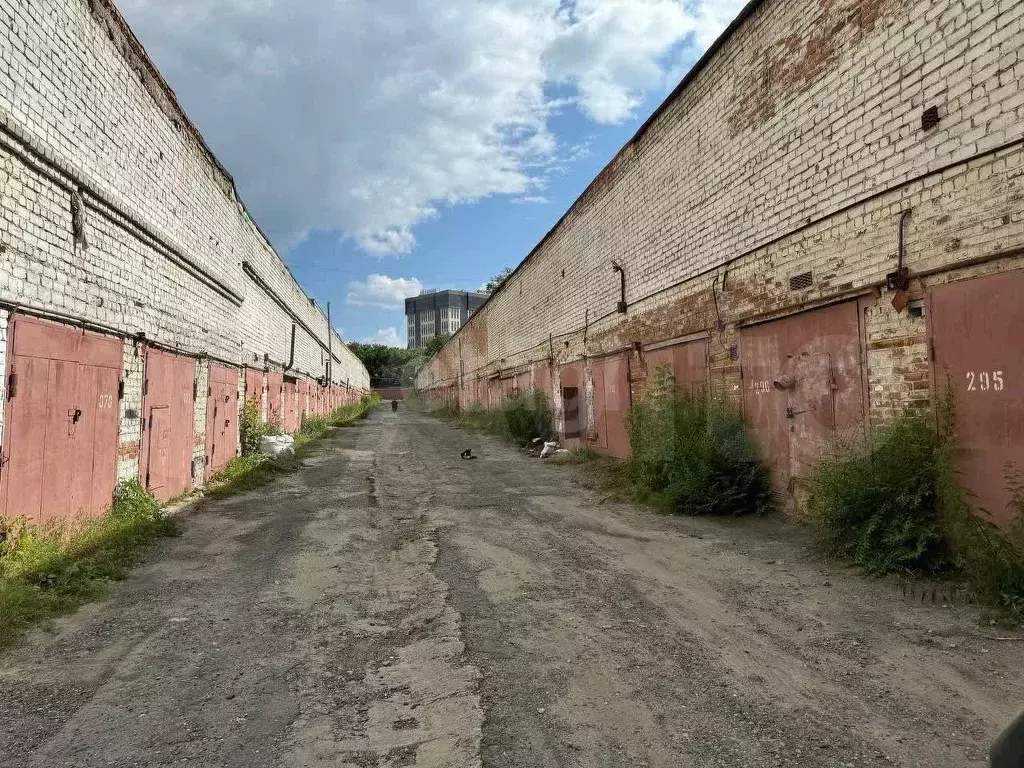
x=549 y=448
x=277 y=445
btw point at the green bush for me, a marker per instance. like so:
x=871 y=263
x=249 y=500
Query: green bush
x=990 y=556
x=252 y=429
x=693 y=455
x=519 y=419
x=877 y=502
x=523 y=418
x=892 y=503
x=449 y=411
x=314 y=425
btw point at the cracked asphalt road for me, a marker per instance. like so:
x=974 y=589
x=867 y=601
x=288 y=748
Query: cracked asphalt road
x=393 y=605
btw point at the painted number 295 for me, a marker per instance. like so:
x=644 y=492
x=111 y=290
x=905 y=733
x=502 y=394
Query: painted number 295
x=984 y=381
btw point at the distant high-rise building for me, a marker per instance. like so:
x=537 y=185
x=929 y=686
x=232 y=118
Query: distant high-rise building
x=436 y=312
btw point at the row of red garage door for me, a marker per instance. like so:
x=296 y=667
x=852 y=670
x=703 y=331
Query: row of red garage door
x=62 y=419
x=804 y=383
x=290 y=398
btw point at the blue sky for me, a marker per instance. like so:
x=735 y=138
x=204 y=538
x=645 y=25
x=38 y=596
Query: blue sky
x=392 y=145
x=465 y=245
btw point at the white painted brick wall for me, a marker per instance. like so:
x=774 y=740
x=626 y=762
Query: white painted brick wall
x=75 y=89
x=809 y=169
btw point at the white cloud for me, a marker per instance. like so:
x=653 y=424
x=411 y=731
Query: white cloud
x=387 y=336
x=382 y=291
x=371 y=116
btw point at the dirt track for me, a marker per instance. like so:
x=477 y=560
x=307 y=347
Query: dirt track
x=393 y=605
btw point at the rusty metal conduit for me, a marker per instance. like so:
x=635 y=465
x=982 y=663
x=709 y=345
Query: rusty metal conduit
x=249 y=270
x=291 y=355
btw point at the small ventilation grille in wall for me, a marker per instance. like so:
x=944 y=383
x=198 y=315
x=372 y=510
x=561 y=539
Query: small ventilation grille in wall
x=800 y=282
x=929 y=118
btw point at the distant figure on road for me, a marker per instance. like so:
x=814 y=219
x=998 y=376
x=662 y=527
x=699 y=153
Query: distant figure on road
x=394 y=406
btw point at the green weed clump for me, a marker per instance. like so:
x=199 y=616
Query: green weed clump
x=449 y=411
x=46 y=571
x=314 y=426
x=252 y=429
x=369 y=402
x=892 y=503
x=519 y=419
x=991 y=557
x=524 y=417
x=247 y=473
x=877 y=503
x=693 y=455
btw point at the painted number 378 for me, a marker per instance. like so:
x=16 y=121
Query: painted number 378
x=984 y=381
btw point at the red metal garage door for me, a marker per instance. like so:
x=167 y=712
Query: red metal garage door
x=542 y=381
x=976 y=328
x=60 y=434
x=275 y=383
x=254 y=386
x=521 y=383
x=169 y=426
x=290 y=405
x=688 y=363
x=611 y=404
x=221 y=418
x=802 y=384
x=494 y=393
x=574 y=410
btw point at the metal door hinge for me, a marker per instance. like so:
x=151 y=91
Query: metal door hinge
x=12 y=385
x=145 y=387
x=120 y=389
